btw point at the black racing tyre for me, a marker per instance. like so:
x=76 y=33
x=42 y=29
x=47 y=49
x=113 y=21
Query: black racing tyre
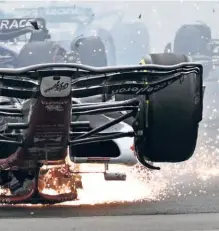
x=205 y=31
x=109 y=44
x=174 y=115
x=196 y=44
x=199 y=36
x=90 y=51
x=40 y=52
x=132 y=41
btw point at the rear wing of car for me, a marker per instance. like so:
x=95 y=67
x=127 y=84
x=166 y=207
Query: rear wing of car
x=15 y=27
x=89 y=81
x=14 y=24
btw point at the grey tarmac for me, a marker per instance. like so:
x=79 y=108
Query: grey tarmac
x=194 y=212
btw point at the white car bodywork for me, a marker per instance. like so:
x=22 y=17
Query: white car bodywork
x=127 y=155
x=125 y=145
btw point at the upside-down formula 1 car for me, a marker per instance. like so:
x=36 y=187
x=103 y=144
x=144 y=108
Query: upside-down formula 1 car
x=201 y=47
x=165 y=107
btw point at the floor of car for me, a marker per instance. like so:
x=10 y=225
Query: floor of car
x=100 y=149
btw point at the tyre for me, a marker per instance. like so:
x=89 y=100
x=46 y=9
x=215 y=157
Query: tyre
x=205 y=31
x=40 y=52
x=199 y=39
x=174 y=116
x=196 y=43
x=90 y=51
x=109 y=44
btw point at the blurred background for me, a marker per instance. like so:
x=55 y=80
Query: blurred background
x=162 y=18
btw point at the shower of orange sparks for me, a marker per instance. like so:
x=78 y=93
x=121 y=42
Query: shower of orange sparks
x=141 y=184
x=60 y=180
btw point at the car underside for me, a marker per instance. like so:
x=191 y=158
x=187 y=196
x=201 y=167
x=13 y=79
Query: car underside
x=56 y=132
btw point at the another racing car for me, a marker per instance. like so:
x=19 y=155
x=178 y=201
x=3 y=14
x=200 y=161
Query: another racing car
x=21 y=42
x=201 y=46
x=53 y=123
x=123 y=43
x=72 y=28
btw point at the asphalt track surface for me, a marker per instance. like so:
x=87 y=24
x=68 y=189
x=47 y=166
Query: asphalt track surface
x=143 y=216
